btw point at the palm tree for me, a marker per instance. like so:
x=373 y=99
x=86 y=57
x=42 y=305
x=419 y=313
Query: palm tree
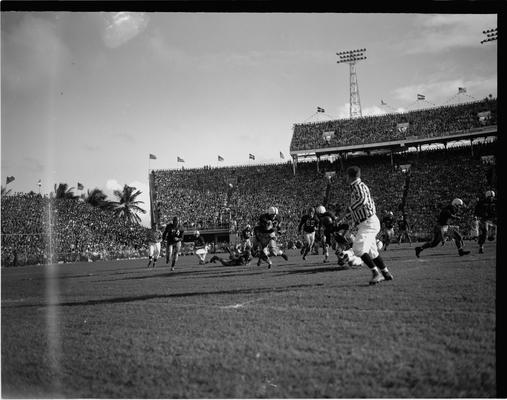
x=97 y=198
x=127 y=208
x=5 y=191
x=62 y=191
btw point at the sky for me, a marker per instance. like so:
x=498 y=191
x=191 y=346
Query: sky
x=87 y=96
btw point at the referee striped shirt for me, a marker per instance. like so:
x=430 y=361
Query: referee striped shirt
x=362 y=205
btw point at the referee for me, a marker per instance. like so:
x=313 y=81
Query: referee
x=362 y=211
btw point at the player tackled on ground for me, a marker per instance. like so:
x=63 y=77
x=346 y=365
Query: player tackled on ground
x=154 y=239
x=265 y=237
x=442 y=229
x=173 y=235
x=485 y=211
x=309 y=222
x=237 y=257
x=362 y=211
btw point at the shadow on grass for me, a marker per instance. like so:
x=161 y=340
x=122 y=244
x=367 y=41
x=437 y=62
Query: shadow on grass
x=127 y=299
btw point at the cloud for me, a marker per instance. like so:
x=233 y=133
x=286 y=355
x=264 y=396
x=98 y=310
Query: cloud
x=442 y=32
x=32 y=54
x=113 y=184
x=123 y=26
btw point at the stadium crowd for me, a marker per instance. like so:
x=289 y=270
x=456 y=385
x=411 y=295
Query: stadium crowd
x=431 y=122
x=37 y=229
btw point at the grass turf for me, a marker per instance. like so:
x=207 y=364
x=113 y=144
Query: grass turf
x=301 y=329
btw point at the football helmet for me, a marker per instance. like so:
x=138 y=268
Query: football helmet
x=272 y=210
x=490 y=194
x=457 y=202
x=321 y=210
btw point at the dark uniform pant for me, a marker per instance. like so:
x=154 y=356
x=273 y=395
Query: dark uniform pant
x=440 y=232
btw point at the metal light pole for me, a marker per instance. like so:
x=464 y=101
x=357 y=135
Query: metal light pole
x=491 y=34
x=351 y=57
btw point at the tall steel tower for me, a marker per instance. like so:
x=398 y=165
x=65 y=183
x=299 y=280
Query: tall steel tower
x=351 y=57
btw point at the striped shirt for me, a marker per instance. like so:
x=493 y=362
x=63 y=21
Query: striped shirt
x=362 y=205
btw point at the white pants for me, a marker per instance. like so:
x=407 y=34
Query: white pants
x=154 y=250
x=365 y=240
x=201 y=253
x=309 y=238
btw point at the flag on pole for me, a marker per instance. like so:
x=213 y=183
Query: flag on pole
x=220 y=158
x=179 y=159
x=251 y=157
x=39 y=183
x=281 y=155
x=9 y=179
x=320 y=109
x=462 y=90
x=382 y=102
x=421 y=97
x=153 y=157
x=80 y=186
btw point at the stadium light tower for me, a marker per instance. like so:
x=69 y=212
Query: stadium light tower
x=351 y=57
x=491 y=34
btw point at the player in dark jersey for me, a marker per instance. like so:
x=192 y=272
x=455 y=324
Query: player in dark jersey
x=403 y=229
x=387 y=224
x=173 y=235
x=246 y=237
x=309 y=222
x=485 y=211
x=237 y=257
x=443 y=229
x=265 y=231
x=327 y=219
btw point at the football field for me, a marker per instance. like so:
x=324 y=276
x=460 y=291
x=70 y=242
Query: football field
x=301 y=329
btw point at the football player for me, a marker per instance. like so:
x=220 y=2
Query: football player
x=403 y=229
x=309 y=222
x=485 y=211
x=327 y=219
x=246 y=237
x=154 y=239
x=387 y=224
x=201 y=249
x=237 y=257
x=442 y=229
x=173 y=235
x=265 y=237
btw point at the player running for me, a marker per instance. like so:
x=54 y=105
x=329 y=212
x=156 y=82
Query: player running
x=403 y=229
x=154 y=239
x=387 y=224
x=173 y=235
x=485 y=211
x=265 y=237
x=442 y=229
x=326 y=219
x=309 y=222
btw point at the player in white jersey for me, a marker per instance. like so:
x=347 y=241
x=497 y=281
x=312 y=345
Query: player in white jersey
x=154 y=240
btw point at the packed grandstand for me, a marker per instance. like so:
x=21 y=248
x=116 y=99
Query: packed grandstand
x=38 y=229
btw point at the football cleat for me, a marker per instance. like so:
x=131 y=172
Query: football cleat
x=377 y=278
x=418 y=251
x=463 y=252
x=284 y=256
x=386 y=274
